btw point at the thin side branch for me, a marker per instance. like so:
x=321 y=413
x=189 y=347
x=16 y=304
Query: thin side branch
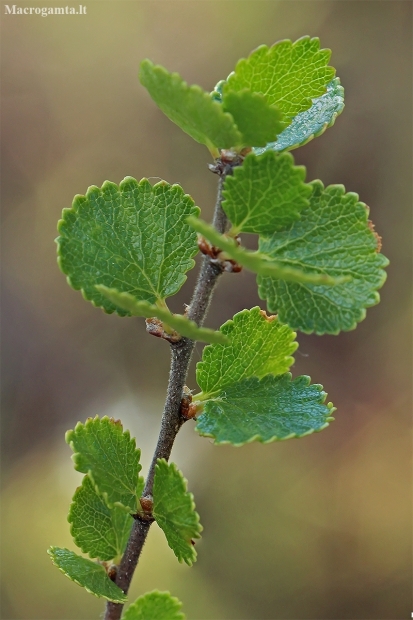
x=172 y=420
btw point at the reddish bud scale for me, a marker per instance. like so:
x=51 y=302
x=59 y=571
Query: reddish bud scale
x=146 y=504
x=154 y=327
x=187 y=409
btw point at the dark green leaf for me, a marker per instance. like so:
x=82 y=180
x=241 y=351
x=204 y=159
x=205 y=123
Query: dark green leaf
x=333 y=236
x=133 y=238
x=265 y=410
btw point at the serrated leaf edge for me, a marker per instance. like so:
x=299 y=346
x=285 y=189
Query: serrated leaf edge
x=213 y=148
x=75 y=208
x=104 y=500
x=260 y=150
x=268 y=49
x=121 y=600
x=203 y=397
x=258 y=437
x=318 y=184
x=174 y=598
x=239 y=171
x=74 y=457
x=198 y=525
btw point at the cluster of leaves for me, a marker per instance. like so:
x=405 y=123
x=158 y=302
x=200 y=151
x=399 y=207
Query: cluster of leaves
x=247 y=394
x=128 y=248
x=103 y=508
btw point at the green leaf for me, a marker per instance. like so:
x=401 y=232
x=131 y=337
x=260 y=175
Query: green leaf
x=100 y=531
x=85 y=573
x=109 y=455
x=174 y=511
x=289 y=75
x=333 y=236
x=190 y=107
x=259 y=262
x=180 y=323
x=311 y=123
x=259 y=345
x=133 y=238
x=265 y=194
x=258 y=122
x=265 y=410
x=155 y=606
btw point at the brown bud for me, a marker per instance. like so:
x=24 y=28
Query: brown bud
x=185 y=402
x=192 y=411
x=146 y=504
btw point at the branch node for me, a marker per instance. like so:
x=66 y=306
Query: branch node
x=188 y=409
x=155 y=327
x=228 y=160
x=217 y=256
x=145 y=515
x=146 y=503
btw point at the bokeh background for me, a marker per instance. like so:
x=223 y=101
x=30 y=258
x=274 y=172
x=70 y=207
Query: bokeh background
x=314 y=528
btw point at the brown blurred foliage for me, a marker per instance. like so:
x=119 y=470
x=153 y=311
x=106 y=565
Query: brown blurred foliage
x=314 y=528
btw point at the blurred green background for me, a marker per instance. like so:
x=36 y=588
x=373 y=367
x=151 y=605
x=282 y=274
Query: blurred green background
x=314 y=528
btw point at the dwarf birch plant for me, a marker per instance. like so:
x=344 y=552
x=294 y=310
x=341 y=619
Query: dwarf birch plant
x=127 y=248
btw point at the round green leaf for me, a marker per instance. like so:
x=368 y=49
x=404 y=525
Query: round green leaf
x=133 y=238
x=174 y=511
x=155 y=606
x=258 y=345
x=333 y=236
x=289 y=75
x=265 y=194
x=265 y=410
x=85 y=573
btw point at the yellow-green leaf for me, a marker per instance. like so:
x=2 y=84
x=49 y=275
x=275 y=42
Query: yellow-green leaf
x=259 y=345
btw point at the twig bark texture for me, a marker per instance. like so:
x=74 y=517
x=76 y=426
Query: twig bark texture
x=172 y=420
